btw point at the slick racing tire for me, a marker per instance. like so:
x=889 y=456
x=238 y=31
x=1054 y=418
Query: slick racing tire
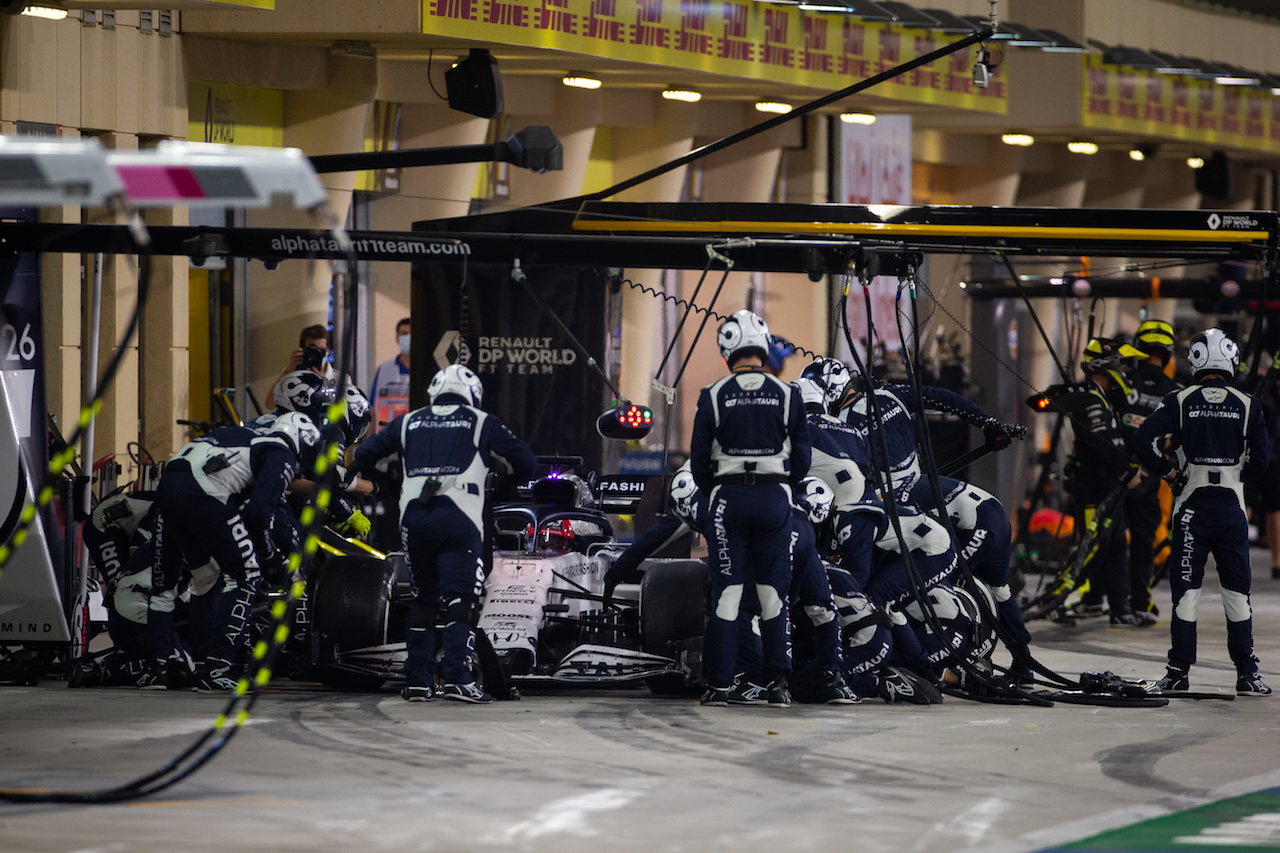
x=672 y=610
x=350 y=611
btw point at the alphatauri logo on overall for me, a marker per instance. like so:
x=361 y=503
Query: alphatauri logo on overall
x=1188 y=545
x=722 y=539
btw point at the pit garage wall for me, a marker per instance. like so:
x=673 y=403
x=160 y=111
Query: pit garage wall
x=124 y=86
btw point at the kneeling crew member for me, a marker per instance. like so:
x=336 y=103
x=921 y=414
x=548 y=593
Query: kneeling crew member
x=446 y=450
x=1219 y=439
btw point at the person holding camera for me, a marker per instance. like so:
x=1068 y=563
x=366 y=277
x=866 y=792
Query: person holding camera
x=312 y=354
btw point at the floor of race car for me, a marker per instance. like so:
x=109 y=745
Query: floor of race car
x=592 y=770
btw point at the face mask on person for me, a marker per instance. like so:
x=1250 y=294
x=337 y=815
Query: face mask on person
x=404 y=344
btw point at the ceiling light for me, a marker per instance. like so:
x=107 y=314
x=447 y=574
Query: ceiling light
x=1236 y=81
x=1137 y=154
x=354 y=49
x=949 y=23
x=687 y=95
x=906 y=15
x=1025 y=36
x=1062 y=44
x=1134 y=57
x=1020 y=139
x=48 y=12
x=1173 y=64
x=1082 y=147
x=857 y=118
x=1195 y=162
x=578 y=80
x=867 y=10
x=773 y=107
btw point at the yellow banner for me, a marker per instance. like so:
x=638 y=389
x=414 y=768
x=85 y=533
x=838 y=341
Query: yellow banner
x=1179 y=107
x=740 y=39
x=234 y=114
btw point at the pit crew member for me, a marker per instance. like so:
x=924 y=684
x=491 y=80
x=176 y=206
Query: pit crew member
x=1219 y=438
x=221 y=498
x=446 y=450
x=749 y=446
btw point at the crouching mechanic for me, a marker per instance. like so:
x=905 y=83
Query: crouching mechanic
x=221 y=498
x=1219 y=439
x=446 y=450
x=749 y=446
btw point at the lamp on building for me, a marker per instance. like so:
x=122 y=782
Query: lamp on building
x=864 y=9
x=688 y=96
x=857 y=118
x=1082 y=147
x=949 y=23
x=1021 y=140
x=1173 y=64
x=579 y=80
x=1195 y=162
x=773 y=107
x=51 y=13
x=1138 y=153
x=1237 y=76
x=1061 y=43
x=354 y=49
x=907 y=15
x=1134 y=57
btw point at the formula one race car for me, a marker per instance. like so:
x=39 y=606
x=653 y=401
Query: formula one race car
x=542 y=615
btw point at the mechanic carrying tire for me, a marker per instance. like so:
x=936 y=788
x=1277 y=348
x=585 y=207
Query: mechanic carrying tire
x=446 y=450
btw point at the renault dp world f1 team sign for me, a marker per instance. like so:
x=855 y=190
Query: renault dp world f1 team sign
x=534 y=379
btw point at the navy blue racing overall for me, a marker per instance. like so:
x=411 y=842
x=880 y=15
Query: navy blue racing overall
x=749 y=446
x=1219 y=439
x=446 y=451
x=220 y=498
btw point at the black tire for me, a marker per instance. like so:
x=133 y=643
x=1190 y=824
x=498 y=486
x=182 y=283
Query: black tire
x=350 y=610
x=672 y=609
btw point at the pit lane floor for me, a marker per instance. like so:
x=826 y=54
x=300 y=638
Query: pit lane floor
x=591 y=770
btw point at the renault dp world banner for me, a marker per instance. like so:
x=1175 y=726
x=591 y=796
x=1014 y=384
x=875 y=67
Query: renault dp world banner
x=760 y=41
x=534 y=378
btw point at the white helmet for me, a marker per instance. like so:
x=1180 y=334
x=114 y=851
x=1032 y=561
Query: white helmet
x=811 y=392
x=815 y=497
x=456 y=379
x=743 y=333
x=831 y=375
x=307 y=392
x=358 y=414
x=299 y=430
x=1212 y=350
x=684 y=493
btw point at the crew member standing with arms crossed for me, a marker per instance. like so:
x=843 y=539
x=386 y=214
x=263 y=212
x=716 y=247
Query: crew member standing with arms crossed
x=1219 y=439
x=750 y=446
